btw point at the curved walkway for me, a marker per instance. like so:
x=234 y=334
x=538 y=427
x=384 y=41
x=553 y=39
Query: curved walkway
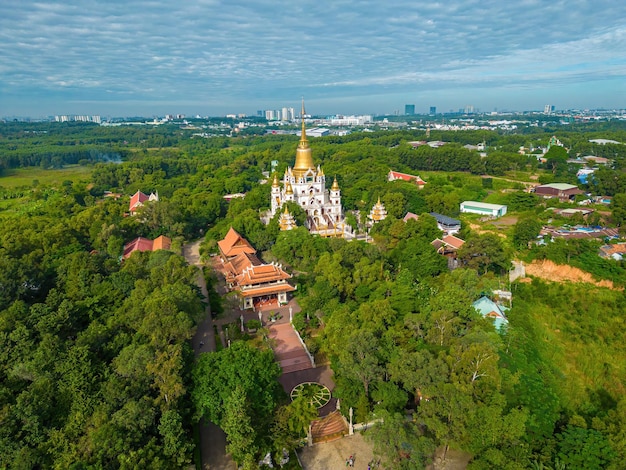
x=212 y=438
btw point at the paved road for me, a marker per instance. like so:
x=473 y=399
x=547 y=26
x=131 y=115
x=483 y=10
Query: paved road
x=212 y=438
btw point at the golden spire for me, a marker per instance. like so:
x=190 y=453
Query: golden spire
x=304 y=158
x=286 y=220
x=378 y=212
x=335 y=186
x=275 y=183
x=303 y=133
x=288 y=189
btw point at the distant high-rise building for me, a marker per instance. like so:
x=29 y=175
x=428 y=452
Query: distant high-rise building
x=79 y=118
x=260 y=113
x=284 y=115
x=549 y=108
x=409 y=109
x=269 y=115
x=433 y=110
x=469 y=109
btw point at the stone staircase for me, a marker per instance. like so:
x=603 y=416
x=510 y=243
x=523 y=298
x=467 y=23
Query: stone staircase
x=288 y=350
x=329 y=428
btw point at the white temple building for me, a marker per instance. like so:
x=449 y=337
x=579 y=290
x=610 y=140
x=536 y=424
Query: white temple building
x=305 y=185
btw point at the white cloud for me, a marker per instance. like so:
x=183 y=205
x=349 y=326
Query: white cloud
x=245 y=51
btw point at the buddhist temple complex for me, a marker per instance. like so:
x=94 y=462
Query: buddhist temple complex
x=305 y=184
x=255 y=282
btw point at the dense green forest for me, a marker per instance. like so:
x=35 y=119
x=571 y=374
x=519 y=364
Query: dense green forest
x=97 y=367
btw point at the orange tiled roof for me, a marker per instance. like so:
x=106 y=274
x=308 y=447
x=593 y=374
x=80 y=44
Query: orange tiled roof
x=255 y=292
x=396 y=175
x=233 y=244
x=608 y=250
x=448 y=244
x=236 y=265
x=261 y=274
x=162 y=243
x=453 y=241
x=409 y=216
x=145 y=244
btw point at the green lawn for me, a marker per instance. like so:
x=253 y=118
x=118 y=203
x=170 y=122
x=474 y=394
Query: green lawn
x=15 y=178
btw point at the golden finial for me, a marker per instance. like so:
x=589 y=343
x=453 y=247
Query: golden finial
x=303 y=135
x=289 y=189
x=286 y=210
x=275 y=183
x=335 y=186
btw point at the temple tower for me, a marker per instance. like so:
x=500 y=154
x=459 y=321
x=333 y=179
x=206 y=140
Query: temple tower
x=305 y=184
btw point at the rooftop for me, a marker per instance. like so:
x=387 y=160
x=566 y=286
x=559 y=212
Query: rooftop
x=488 y=308
x=444 y=219
x=483 y=205
x=559 y=186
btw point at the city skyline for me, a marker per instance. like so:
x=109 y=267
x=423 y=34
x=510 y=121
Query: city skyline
x=216 y=58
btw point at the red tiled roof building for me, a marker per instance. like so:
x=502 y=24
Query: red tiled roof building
x=145 y=244
x=396 y=175
x=234 y=244
x=255 y=282
x=138 y=199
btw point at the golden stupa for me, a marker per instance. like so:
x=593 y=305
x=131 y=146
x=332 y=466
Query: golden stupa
x=304 y=157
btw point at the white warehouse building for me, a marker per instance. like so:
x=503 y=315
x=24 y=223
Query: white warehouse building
x=483 y=208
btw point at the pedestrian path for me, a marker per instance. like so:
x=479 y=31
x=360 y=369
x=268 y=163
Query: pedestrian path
x=288 y=349
x=212 y=438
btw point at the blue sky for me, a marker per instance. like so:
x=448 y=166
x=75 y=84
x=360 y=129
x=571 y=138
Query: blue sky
x=212 y=57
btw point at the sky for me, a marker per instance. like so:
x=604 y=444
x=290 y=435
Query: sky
x=216 y=57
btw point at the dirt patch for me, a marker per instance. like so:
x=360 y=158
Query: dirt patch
x=480 y=231
x=551 y=271
x=506 y=221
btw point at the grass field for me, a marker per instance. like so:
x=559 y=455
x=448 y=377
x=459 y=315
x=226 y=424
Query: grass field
x=15 y=178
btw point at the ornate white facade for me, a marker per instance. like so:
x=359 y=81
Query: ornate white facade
x=305 y=185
